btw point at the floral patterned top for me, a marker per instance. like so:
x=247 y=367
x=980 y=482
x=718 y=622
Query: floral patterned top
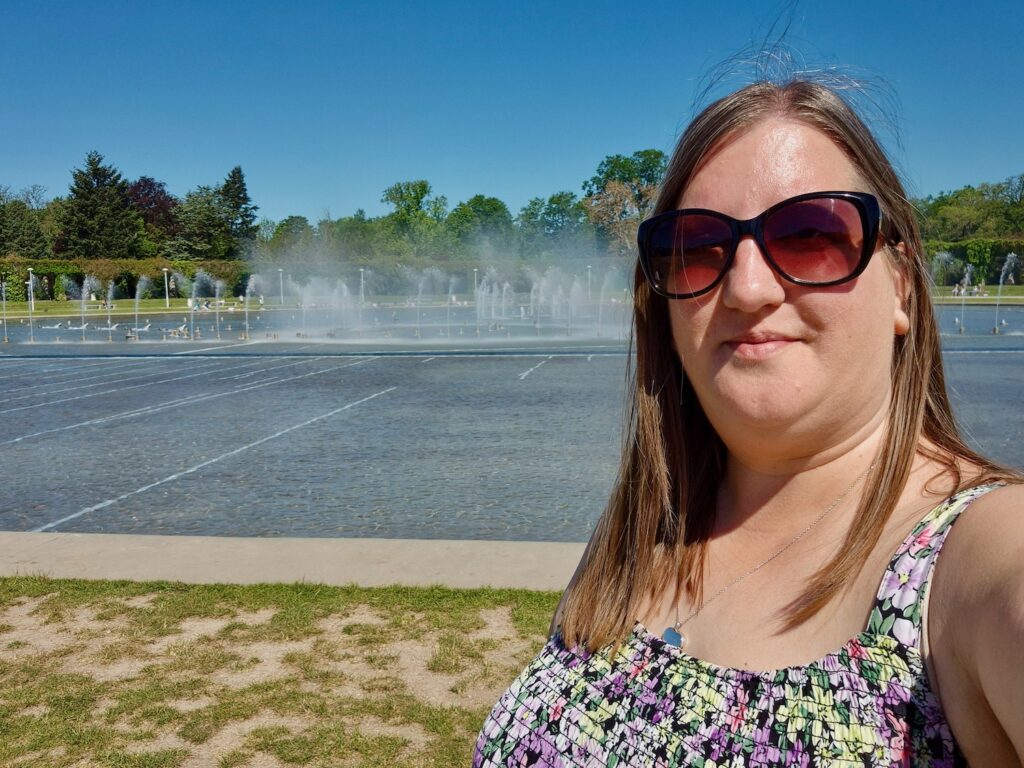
x=867 y=704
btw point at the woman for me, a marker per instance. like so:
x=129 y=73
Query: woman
x=792 y=472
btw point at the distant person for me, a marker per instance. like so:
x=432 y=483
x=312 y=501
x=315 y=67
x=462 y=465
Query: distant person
x=765 y=586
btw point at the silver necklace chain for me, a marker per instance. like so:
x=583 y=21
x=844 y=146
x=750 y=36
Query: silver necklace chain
x=680 y=622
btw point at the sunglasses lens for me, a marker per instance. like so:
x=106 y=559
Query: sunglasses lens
x=687 y=253
x=817 y=241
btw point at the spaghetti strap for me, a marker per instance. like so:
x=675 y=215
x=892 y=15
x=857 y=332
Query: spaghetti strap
x=900 y=599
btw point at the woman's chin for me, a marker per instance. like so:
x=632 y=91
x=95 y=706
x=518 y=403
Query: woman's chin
x=757 y=408
x=772 y=418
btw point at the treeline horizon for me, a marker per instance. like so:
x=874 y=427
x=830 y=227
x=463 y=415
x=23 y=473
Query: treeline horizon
x=105 y=216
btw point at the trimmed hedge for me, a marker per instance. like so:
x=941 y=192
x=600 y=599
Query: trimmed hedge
x=124 y=272
x=385 y=279
x=986 y=254
x=393 y=279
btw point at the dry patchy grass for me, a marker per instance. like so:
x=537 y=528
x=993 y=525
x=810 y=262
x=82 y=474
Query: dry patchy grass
x=158 y=675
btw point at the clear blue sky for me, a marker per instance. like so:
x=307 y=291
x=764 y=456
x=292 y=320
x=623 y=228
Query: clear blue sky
x=326 y=104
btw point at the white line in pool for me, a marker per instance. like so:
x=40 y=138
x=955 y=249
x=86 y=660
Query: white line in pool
x=190 y=400
x=197 y=467
x=192 y=375
x=524 y=374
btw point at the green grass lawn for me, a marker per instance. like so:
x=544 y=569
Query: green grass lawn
x=1011 y=294
x=126 y=307
x=122 y=307
x=155 y=675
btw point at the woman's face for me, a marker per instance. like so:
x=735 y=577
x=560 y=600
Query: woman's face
x=808 y=367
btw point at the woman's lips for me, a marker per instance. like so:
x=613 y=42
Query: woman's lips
x=758 y=346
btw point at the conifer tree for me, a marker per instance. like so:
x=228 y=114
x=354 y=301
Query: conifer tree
x=20 y=231
x=238 y=204
x=98 y=218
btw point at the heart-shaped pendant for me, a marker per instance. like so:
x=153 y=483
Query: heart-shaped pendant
x=673 y=636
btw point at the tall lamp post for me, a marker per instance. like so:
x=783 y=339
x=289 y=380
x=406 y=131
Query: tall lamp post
x=3 y=294
x=476 y=303
x=280 y=283
x=31 y=305
x=362 y=294
x=167 y=293
x=588 y=282
x=32 y=289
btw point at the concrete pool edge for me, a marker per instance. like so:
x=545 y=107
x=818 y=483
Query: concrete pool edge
x=240 y=560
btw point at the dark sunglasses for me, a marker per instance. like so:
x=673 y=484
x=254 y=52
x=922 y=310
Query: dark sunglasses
x=818 y=239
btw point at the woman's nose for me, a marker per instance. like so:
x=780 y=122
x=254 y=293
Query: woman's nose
x=751 y=283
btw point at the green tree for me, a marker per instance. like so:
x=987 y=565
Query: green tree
x=21 y=232
x=409 y=200
x=965 y=213
x=979 y=254
x=640 y=171
x=621 y=194
x=353 y=239
x=238 y=205
x=480 y=217
x=530 y=221
x=98 y=219
x=416 y=227
x=1013 y=197
x=563 y=215
x=557 y=225
x=51 y=217
x=292 y=237
x=205 y=231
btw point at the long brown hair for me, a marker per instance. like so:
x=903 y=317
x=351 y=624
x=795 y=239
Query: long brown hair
x=661 y=511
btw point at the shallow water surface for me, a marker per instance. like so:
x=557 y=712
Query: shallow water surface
x=308 y=439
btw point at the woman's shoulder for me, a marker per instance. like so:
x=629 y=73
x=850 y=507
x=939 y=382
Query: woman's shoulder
x=985 y=549
x=981 y=521
x=963 y=540
x=981 y=559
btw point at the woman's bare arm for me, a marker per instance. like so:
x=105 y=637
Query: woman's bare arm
x=977 y=629
x=998 y=620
